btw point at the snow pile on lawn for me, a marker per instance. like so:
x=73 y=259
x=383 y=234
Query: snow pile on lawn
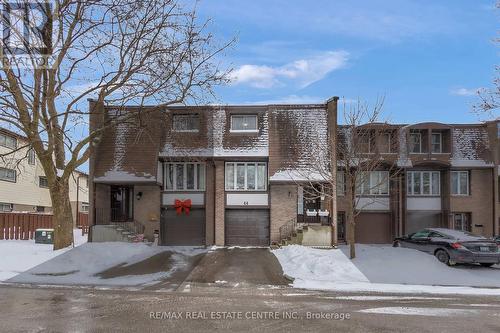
x=317 y=265
x=111 y=263
x=409 y=266
x=21 y=255
x=331 y=270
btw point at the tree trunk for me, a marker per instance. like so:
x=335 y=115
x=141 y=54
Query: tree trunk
x=63 y=216
x=350 y=214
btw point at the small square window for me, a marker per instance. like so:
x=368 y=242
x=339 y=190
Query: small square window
x=8 y=141
x=244 y=123
x=186 y=123
x=43 y=182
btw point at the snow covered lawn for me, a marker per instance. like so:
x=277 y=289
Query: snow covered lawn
x=110 y=263
x=382 y=269
x=408 y=266
x=21 y=255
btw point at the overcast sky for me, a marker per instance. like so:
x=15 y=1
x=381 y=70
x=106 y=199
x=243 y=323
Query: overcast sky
x=427 y=57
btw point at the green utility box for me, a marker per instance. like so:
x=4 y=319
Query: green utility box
x=44 y=236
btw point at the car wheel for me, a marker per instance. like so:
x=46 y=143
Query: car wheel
x=396 y=244
x=486 y=264
x=442 y=256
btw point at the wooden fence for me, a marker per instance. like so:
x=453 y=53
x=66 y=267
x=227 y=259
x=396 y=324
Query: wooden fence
x=22 y=225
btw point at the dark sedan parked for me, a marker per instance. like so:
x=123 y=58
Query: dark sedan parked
x=452 y=246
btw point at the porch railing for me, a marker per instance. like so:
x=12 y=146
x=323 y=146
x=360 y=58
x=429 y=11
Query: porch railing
x=287 y=229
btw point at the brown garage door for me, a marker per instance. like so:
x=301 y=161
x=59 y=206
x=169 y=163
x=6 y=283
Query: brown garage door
x=416 y=221
x=182 y=229
x=373 y=228
x=247 y=227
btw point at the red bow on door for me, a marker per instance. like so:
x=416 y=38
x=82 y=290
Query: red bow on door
x=182 y=205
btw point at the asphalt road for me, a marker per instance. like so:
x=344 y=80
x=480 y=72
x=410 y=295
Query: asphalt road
x=210 y=307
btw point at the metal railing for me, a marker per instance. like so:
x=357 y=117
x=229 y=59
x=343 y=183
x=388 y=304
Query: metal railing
x=287 y=229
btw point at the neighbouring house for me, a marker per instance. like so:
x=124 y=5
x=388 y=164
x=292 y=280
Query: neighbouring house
x=229 y=175
x=23 y=185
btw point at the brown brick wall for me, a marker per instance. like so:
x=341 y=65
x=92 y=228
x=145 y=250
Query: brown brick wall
x=147 y=209
x=210 y=204
x=479 y=203
x=219 y=203
x=283 y=207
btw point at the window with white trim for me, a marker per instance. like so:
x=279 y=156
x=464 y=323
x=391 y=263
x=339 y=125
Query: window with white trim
x=436 y=143
x=184 y=176
x=341 y=183
x=5 y=207
x=373 y=183
x=31 y=156
x=423 y=183
x=415 y=142
x=460 y=182
x=244 y=123
x=85 y=207
x=246 y=176
x=8 y=141
x=43 y=182
x=186 y=122
x=8 y=174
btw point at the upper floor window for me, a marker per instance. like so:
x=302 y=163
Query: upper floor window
x=436 y=143
x=385 y=143
x=244 y=123
x=8 y=141
x=31 y=156
x=373 y=183
x=5 y=207
x=184 y=176
x=8 y=174
x=43 y=182
x=460 y=182
x=341 y=184
x=241 y=176
x=186 y=122
x=415 y=142
x=366 y=143
x=423 y=183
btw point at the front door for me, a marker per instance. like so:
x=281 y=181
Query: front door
x=122 y=203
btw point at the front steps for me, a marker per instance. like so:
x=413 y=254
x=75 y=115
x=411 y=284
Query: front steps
x=308 y=235
x=121 y=232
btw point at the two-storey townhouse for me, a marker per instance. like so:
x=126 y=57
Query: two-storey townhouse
x=23 y=185
x=233 y=175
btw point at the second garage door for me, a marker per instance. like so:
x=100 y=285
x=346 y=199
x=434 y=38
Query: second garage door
x=247 y=227
x=373 y=228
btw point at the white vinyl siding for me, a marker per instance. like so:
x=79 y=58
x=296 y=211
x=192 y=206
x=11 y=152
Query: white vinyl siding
x=246 y=176
x=460 y=182
x=423 y=183
x=184 y=176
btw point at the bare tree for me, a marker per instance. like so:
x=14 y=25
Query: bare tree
x=361 y=147
x=115 y=51
x=489 y=98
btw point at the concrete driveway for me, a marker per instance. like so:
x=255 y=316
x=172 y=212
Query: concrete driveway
x=238 y=267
